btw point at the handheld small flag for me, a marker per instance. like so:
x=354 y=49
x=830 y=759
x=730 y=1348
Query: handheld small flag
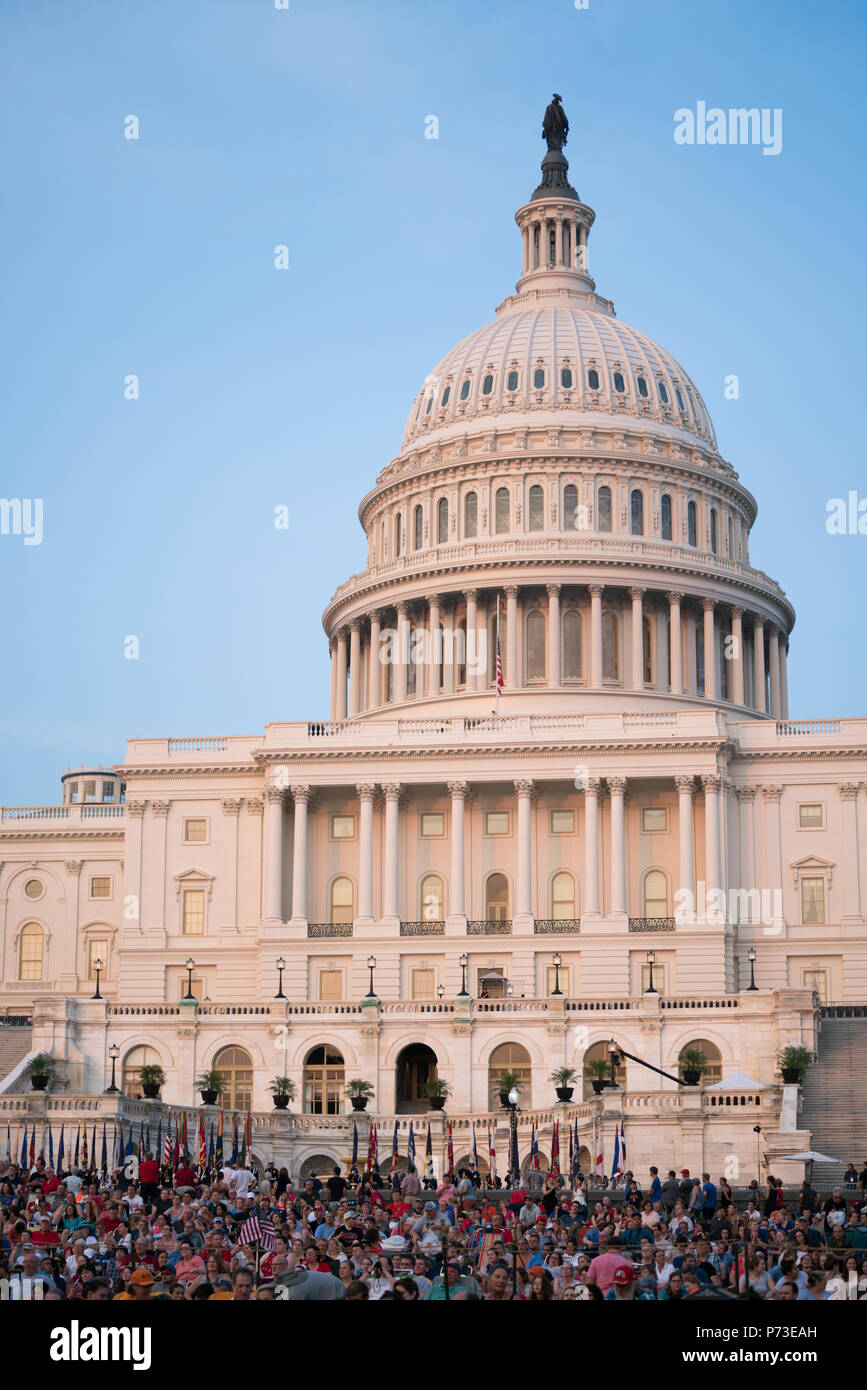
x=258 y=1229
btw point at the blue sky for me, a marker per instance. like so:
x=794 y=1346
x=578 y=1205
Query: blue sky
x=259 y=388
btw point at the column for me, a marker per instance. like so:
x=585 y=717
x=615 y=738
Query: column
x=711 y=785
x=637 y=638
x=784 y=682
x=301 y=798
x=852 y=913
x=332 y=650
x=558 y=241
x=132 y=863
x=512 y=680
x=354 y=667
x=710 y=685
x=737 y=655
x=774 y=663
x=596 y=636
x=448 y=651
x=401 y=651
x=591 y=846
x=747 y=852
x=759 y=698
x=341 y=673
x=526 y=236
x=472 y=651
x=434 y=651
x=674 y=643
x=774 y=866
x=366 y=791
x=617 y=788
x=684 y=784
x=272 y=856
x=524 y=871
x=457 y=908
x=391 y=884
x=554 y=660
x=374 y=664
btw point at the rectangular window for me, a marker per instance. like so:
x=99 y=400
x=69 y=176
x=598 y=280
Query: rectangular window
x=423 y=984
x=490 y=983
x=90 y=791
x=195 y=988
x=343 y=827
x=658 y=978
x=552 y=979
x=562 y=822
x=330 y=985
x=433 y=823
x=810 y=816
x=195 y=832
x=817 y=980
x=73 y=791
x=100 y=887
x=108 y=791
x=194 y=912
x=96 y=950
x=496 y=822
x=654 y=818
x=812 y=901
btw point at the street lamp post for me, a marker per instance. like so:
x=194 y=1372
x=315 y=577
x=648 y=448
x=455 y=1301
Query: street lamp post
x=757 y=1131
x=651 y=961
x=371 y=965
x=614 y=1059
x=189 y=966
x=558 y=961
x=514 y=1164
x=441 y=990
x=114 y=1053
x=281 y=966
x=463 y=963
x=98 y=967
x=751 y=957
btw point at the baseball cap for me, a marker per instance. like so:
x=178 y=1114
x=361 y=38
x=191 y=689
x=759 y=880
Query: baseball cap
x=430 y=1206
x=684 y=1172
x=142 y=1276
x=624 y=1274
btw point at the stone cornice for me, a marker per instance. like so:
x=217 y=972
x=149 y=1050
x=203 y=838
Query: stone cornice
x=51 y=832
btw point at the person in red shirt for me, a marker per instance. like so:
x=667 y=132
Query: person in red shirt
x=44 y=1235
x=185 y=1179
x=149 y=1174
x=397 y=1209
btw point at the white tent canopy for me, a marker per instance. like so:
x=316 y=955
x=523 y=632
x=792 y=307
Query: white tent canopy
x=811 y=1156
x=738 y=1081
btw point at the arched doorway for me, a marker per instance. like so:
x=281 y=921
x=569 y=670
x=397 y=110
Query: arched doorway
x=509 y=1060
x=596 y=1054
x=416 y=1066
x=134 y=1060
x=318 y=1166
x=236 y=1073
x=713 y=1059
x=496 y=898
x=585 y=1160
x=323 y=1081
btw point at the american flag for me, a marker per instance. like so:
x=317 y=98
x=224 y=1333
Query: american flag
x=499 y=668
x=258 y=1229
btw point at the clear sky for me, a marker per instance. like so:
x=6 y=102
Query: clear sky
x=259 y=387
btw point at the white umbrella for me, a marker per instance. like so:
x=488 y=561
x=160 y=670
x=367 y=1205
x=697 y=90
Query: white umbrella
x=738 y=1081
x=811 y=1156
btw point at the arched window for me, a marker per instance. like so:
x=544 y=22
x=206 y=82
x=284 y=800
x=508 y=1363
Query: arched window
x=680 y=404
x=536 y=509
x=496 y=898
x=342 y=903
x=135 y=1059
x=572 y=654
x=418 y=526
x=637 y=512
x=665 y=516
x=655 y=894
x=563 y=898
x=471 y=514
x=610 y=646
x=501 y=511
x=324 y=1081
x=598 y=1052
x=398 y=535
x=603 y=509
x=431 y=906
x=539 y=378
x=713 y=531
x=429 y=403
x=713 y=1059
x=570 y=507
x=31 y=952
x=647 y=650
x=511 y=1060
x=442 y=520
x=691 y=525
x=236 y=1075
x=535 y=645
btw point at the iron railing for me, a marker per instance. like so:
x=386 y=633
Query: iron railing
x=542 y=926
x=317 y=929
x=485 y=928
x=430 y=928
x=652 y=924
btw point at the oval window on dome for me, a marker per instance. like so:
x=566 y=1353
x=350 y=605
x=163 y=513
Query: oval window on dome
x=593 y=379
x=663 y=394
x=429 y=404
x=619 y=383
x=566 y=378
x=446 y=393
x=487 y=385
x=680 y=404
x=512 y=382
x=539 y=378
x=465 y=389
x=642 y=387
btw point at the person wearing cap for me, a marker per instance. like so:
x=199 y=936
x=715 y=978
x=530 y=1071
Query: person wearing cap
x=140 y=1287
x=44 y=1235
x=622 y=1285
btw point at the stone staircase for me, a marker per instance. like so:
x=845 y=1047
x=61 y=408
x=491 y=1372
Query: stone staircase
x=15 y=1043
x=834 y=1092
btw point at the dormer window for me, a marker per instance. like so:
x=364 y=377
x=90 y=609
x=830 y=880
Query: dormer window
x=429 y=404
x=487 y=385
x=465 y=390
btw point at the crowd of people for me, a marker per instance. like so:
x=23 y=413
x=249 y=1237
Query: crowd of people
x=246 y=1235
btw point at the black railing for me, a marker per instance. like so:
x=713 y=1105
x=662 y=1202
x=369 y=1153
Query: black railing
x=843 y=1010
x=485 y=928
x=543 y=926
x=431 y=928
x=652 y=924
x=316 y=929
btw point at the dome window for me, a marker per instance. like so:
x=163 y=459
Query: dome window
x=471 y=514
x=465 y=389
x=679 y=398
x=442 y=521
x=665 y=517
x=637 y=512
x=446 y=393
x=512 y=383
x=714 y=531
x=619 y=383
x=593 y=379
x=663 y=394
x=570 y=507
x=501 y=511
x=566 y=378
x=429 y=404
x=691 y=525
x=539 y=378
x=487 y=385
x=603 y=509
x=418 y=524
x=642 y=387
x=536 y=509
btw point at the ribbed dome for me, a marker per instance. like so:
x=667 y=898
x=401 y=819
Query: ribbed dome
x=590 y=364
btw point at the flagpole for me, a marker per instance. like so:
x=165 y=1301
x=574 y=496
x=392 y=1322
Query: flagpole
x=497 y=662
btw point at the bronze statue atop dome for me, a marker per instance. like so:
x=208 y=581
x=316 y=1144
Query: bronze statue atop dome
x=555 y=126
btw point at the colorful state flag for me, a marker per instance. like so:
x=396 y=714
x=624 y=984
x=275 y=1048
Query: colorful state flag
x=75 y=1156
x=50 y=1147
x=211 y=1145
x=622 y=1146
x=410 y=1145
x=104 y=1156
x=61 y=1151
x=428 y=1155
x=572 y=1152
x=395 y=1155
x=451 y=1153
x=203 y=1145
x=474 y=1152
x=234 y=1158
x=555 y=1149
x=598 y=1149
x=248 y=1137
x=616 y=1169
x=534 y=1149
x=24 y=1149
x=492 y=1151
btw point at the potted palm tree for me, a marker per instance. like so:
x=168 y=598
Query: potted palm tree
x=40 y=1070
x=151 y=1076
x=359 y=1092
x=209 y=1086
x=692 y=1063
x=599 y=1072
x=564 y=1082
x=437 y=1092
x=504 y=1083
x=794 y=1061
x=282 y=1091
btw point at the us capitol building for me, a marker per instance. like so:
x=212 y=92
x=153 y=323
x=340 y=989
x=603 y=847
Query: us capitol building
x=632 y=840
